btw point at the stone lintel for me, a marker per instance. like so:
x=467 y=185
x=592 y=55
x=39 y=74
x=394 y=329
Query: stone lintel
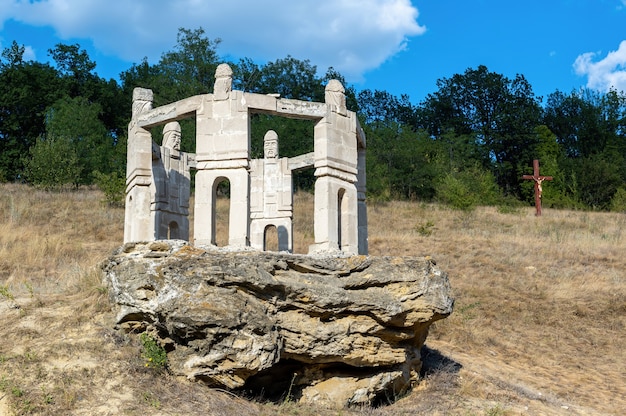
x=138 y=182
x=222 y=164
x=301 y=109
x=261 y=215
x=259 y=103
x=170 y=112
x=301 y=162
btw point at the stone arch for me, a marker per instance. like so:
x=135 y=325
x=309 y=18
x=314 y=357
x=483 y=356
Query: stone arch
x=173 y=231
x=270 y=238
x=220 y=220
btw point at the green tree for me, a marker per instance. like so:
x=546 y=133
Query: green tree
x=77 y=74
x=289 y=77
x=26 y=91
x=377 y=106
x=598 y=178
x=587 y=121
x=466 y=189
x=75 y=68
x=500 y=114
x=401 y=163
x=76 y=120
x=187 y=70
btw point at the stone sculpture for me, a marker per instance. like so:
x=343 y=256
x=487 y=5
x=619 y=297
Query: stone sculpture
x=171 y=173
x=271 y=196
x=223 y=153
x=337 y=327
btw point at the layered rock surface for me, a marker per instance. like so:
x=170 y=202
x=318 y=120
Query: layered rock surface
x=332 y=330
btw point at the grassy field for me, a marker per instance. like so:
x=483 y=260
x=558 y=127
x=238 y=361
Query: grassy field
x=539 y=326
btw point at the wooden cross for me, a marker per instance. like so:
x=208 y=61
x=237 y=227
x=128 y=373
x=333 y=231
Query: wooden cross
x=538 y=179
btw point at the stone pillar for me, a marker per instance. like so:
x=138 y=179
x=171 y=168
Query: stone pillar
x=138 y=224
x=222 y=152
x=336 y=201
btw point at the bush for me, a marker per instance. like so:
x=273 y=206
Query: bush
x=53 y=164
x=113 y=185
x=466 y=189
x=454 y=192
x=618 y=202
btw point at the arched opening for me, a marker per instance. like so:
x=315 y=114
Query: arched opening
x=221 y=210
x=173 y=231
x=270 y=238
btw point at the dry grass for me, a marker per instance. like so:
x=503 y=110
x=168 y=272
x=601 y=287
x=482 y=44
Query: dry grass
x=538 y=327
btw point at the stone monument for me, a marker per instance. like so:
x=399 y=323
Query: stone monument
x=157 y=181
x=337 y=328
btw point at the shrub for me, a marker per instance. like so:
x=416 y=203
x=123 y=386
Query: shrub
x=466 y=189
x=53 y=164
x=113 y=185
x=618 y=202
x=155 y=354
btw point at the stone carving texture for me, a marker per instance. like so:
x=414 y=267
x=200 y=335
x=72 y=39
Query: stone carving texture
x=338 y=330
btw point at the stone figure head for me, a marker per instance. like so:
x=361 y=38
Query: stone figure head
x=335 y=94
x=223 y=79
x=171 y=135
x=270 y=145
x=142 y=100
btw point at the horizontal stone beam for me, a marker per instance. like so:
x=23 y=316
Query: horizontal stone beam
x=284 y=107
x=170 y=112
x=302 y=162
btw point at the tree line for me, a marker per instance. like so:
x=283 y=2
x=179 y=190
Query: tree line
x=466 y=144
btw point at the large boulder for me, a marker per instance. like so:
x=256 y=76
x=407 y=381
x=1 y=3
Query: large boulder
x=331 y=330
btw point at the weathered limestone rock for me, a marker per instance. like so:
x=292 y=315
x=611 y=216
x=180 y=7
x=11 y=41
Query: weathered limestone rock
x=331 y=330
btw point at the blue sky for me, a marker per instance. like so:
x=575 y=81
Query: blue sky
x=400 y=46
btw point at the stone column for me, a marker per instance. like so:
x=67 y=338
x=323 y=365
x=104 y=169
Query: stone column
x=138 y=225
x=222 y=151
x=336 y=201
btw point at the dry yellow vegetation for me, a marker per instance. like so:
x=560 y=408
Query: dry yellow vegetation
x=539 y=323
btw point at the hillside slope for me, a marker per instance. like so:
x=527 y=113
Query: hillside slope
x=538 y=326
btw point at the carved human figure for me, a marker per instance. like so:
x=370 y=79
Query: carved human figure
x=172 y=136
x=142 y=101
x=539 y=189
x=223 y=80
x=170 y=169
x=270 y=145
x=335 y=94
x=271 y=197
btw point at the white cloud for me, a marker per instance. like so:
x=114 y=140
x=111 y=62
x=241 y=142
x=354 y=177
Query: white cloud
x=29 y=54
x=606 y=73
x=351 y=35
